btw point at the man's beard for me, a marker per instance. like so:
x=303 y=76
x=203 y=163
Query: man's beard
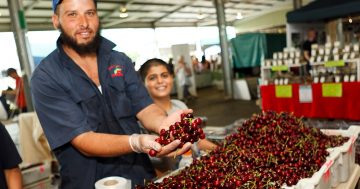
x=81 y=49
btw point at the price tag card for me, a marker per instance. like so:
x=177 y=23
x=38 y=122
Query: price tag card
x=305 y=94
x=335 y=63
x=332 y=90
x=283 y=91
x=280 y=68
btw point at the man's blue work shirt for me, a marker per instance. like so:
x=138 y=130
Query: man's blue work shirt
x=68 y=104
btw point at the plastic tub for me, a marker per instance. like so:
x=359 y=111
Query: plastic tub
x=347 y=151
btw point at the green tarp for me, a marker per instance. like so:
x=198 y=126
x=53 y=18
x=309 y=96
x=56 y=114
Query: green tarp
x=250 y=49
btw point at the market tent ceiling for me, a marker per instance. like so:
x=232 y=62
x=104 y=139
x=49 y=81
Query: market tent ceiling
x=323 y=10
x=145 y=13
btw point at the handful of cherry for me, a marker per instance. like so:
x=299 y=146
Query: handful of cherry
x=187 y=130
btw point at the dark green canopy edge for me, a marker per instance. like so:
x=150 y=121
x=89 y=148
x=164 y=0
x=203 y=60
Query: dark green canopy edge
x=321 y=10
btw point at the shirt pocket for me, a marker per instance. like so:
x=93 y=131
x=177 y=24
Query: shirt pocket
x=120 y=102
x=89 y=102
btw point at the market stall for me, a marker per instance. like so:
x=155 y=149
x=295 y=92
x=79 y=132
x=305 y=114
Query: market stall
x=317 y=88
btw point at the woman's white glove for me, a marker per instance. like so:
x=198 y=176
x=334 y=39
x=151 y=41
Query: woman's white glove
x=143 y=143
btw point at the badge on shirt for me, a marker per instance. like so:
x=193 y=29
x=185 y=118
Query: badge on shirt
x=115 y=71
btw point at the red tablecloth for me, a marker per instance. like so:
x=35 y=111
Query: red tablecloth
x=345 y=107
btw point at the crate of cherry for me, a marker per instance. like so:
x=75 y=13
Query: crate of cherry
x=270 y=150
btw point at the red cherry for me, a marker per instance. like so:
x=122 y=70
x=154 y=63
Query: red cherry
x=202 y=136
x=194 y=126
x=162 y=132
x=198 y=121
x=189 y=115
x=152 y=153
x=183 y=115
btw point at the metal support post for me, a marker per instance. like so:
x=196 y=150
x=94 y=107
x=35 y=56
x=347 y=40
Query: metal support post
x=225 y=55
x=22 y=45
x=297 y=4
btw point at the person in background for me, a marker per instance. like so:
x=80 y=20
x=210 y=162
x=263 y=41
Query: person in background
x=18 y=92
x=171 y=66
x=306 y=47
x=10 y=174
x=89 y=98
x=158 y=80
x=183 y=74
x=196 y=64
x=205 y=63
x=219 y=62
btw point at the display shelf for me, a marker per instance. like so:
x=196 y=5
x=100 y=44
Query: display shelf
x=267 y=72
x=317 y=63
x=290 y=66
x=354 y=178
x=322 y=63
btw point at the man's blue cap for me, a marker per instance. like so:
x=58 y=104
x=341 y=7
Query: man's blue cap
x=55 y=3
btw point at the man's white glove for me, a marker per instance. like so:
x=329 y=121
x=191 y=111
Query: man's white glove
x=143 y=143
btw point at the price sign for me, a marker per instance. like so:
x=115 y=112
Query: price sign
x=305 y=94
x=283 y=91
x=335 y=63
x=332 y=90
x=280 y=68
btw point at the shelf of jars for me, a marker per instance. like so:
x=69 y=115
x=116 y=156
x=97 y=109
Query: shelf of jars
x=279 y=69
x=332 y=82
x=330 y=63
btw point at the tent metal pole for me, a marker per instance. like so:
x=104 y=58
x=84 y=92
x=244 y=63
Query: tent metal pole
x=23 y=48
x=297 y=4
x=225 y=55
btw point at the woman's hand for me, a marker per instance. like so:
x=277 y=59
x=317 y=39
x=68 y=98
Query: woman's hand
x=172 y=118
x=143 y=143
x=172 y=150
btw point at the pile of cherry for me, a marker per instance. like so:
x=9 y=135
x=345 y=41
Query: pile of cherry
x=269 y=150
x=187 y=130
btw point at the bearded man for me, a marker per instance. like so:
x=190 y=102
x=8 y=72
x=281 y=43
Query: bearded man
x=89 y=98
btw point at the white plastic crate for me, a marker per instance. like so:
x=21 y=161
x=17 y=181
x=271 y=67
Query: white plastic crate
x=346 y=151
x=37 y=173
x=322 y=179
x=335 y=168
x=213 y=130
x=42 y=184
x=346 y=160
x=218 y=133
